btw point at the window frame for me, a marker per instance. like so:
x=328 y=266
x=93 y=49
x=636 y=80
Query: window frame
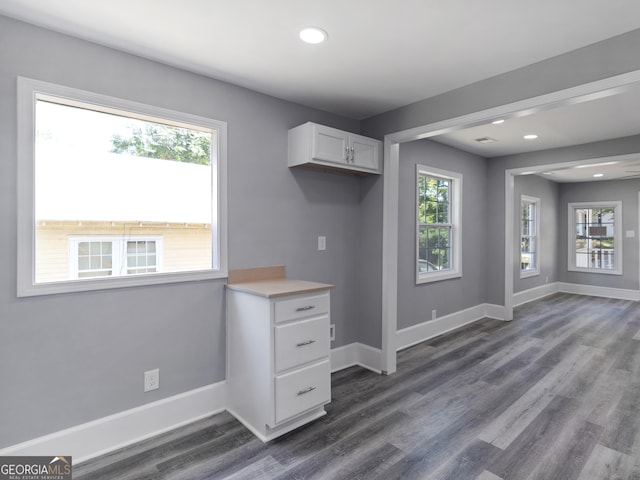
x=535 y=201
x=28 y=92
x=455 y=211
x=617 y=233
x=118 y=251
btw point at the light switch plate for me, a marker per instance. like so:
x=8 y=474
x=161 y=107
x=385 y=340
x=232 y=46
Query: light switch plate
x=322 y=243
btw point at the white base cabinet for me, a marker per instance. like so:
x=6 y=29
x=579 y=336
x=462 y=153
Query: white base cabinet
x=278 y=369
x=311 y=144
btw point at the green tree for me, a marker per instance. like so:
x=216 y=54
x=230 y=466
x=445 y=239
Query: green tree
x=153 y=140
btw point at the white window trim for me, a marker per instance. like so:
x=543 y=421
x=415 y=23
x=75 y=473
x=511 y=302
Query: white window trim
x=536 y=201
x=617 y=245
x=119 y=249
x=455 y=196
x=27 y=92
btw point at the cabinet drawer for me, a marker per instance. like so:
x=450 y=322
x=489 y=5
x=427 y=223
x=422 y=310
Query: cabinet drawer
x=301 y=307
x=302 y=389
x=301 y=342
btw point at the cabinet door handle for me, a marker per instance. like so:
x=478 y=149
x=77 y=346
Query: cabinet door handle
x=347 y=153
x=306 y=390
x=353 y=154
x=302 y=309
x=304 y=344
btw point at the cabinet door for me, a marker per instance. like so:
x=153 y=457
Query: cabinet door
x=366 y=152
x=329 y=144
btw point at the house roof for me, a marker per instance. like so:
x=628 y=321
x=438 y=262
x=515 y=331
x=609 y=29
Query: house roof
x=116 y=187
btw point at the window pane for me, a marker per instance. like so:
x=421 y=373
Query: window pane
x=422 y=249
x=84 y=263
x=431 y=212
x=83 y=248
x=444 y=237
x=443 y=213
x=443 y=191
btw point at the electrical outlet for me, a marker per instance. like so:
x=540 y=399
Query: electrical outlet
x=434 y=314
x=152 y=380
x=332 y=332
x=322 y=243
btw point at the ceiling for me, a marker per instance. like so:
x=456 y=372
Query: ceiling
x=379 y=55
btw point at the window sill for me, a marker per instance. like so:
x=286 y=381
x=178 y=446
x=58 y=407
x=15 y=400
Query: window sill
x=595 y=270
x=436 y=276
x=71 y=286
x=529 y=273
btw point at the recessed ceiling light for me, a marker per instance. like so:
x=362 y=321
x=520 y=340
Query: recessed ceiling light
x=589 y=165
x=498 y=122
x=313 y=35
x=598 y=175
x=530 y=136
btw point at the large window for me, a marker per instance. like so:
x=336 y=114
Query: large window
x=438 y=202
x=115 y=193
x=595 y=237
x=529 y=236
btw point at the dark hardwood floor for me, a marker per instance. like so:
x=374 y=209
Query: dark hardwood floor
x=554 y=394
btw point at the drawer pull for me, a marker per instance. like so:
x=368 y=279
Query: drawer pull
x=302 y=309
x=306 y=390
x=304 y=344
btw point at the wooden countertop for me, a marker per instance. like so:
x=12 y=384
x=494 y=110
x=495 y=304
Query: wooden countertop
x=270 y=282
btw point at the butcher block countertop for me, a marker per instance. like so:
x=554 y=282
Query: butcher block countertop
x=270 y=282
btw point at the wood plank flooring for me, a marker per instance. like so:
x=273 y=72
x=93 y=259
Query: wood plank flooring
x=554 y=394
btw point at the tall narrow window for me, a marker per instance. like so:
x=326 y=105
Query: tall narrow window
x=529 y=236
x=115 y=193
x=594 y=237
x=438 y=224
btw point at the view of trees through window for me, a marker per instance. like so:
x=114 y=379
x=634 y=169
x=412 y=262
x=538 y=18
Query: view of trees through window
x=434 y=223
x=154 y=140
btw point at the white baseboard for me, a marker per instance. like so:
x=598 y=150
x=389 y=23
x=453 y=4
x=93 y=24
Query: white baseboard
x=415 y=334
x=619 y=293
x=110 y=433
x=356 y=354
x=535 y=293
x=494 y=311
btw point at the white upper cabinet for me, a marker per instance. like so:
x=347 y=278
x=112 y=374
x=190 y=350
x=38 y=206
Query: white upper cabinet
x=311 y=144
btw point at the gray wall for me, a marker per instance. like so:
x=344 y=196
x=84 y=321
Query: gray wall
x=415 y=302
x=622 y=190
x=548 y=239
x=68 y=359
